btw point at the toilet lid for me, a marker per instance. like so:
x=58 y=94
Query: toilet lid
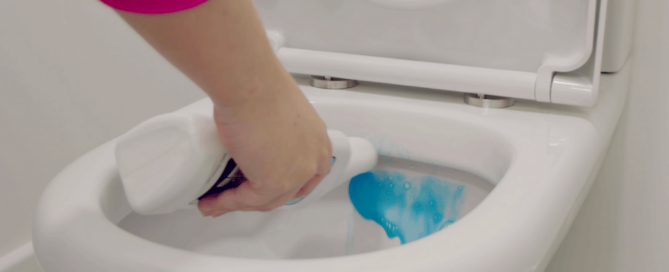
x=501 y=34
x=522 y=37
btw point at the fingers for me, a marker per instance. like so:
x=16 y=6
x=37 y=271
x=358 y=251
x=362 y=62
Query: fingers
x=274 y=179
x=309 y=186
x=241 y=197
x=220 y=212
x=293 y=194
x=275 y=203
x=247 y=198
x=323 y=170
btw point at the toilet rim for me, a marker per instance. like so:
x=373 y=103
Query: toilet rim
x=518 y=214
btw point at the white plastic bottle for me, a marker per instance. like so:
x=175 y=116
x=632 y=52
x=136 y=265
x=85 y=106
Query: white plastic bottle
x=170 y=161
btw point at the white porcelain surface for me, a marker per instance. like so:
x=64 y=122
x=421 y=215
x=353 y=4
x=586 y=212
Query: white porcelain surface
x=619 y=34
x=541 y=161
x=512 y=34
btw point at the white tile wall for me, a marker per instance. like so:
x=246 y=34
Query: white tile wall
x=72 y=76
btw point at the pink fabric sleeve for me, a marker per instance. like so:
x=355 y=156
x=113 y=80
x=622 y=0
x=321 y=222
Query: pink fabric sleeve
x=152 y=6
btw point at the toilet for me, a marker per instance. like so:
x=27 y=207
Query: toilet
x=522 y=147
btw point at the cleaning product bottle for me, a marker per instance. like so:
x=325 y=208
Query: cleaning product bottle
x=171 y=161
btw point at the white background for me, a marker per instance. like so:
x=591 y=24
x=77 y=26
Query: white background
x=73 y=75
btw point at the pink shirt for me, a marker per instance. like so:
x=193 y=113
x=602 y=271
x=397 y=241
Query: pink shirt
x=152 y=6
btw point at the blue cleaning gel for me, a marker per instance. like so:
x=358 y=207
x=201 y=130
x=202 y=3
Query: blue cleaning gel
x=406 y=208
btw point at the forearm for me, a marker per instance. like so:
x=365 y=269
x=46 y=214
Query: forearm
x=220 y=45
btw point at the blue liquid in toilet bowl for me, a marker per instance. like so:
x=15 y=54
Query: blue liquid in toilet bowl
x=408 y=208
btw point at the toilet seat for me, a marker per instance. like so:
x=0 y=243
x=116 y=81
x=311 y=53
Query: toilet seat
x=551 y=159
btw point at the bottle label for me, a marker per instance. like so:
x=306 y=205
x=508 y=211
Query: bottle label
x=231 y=177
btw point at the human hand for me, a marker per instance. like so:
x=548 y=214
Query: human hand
x=280 y=144
x=263 y=119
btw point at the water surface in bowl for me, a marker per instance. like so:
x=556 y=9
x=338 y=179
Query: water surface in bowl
x=408 y=202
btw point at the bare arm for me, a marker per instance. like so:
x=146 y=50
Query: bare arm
x=263 y=119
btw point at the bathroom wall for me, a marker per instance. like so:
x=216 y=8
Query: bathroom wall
x=72 y=76
x=624 y=222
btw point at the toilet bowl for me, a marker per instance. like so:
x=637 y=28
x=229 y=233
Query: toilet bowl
x=515 y=177
x=525 y=170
